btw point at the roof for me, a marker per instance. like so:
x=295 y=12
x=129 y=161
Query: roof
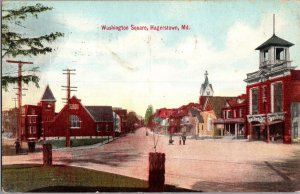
x=274 y=41
x=100 y=113
x=196 y=113
x=217 y=103
x=206 y=83
x=48 y=95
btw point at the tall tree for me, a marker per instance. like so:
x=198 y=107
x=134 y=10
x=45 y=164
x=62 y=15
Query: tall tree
x=15 y=44
x=148 y=114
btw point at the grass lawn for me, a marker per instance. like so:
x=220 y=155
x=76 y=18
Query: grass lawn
x=24 y=178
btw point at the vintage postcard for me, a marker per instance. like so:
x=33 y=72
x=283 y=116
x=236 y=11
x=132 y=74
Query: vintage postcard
x=150 y=96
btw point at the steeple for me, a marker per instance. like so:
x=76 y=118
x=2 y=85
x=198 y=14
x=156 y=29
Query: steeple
x=206 y=88
x=48 y=95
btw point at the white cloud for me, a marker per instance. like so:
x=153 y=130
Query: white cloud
x=78 y=22
x=138 y=68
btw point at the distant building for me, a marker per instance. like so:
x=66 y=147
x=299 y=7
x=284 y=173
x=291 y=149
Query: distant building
x=9 y=121
x=273 y=94
x=122 y=114
x=206 y=88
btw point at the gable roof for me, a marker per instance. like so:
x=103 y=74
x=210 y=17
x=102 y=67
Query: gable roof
x=48 y=95
x=100 y=113
x=196 y=113
x=217 y=103
x=274 y=41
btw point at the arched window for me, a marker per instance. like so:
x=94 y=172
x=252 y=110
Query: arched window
x=75 y=121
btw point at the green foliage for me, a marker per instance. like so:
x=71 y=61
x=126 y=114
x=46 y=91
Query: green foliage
x=132 y=119
x=148 y=114
x=15 y=44
x=6 y=80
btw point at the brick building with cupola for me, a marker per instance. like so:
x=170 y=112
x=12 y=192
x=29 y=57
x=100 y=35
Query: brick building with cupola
x=273 y=93
x=74 y=121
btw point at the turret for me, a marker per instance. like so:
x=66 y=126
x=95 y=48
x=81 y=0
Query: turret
x=47 y=103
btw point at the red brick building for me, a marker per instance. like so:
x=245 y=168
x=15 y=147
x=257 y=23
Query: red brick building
x=273 y=94
x=233 y=116
x=75 y=121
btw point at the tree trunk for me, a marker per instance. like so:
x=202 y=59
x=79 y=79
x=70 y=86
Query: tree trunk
x=47 y=154
x=156 y=177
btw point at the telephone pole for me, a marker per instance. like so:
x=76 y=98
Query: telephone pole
x=15 y=100
x=19 y=94
x=68 y=88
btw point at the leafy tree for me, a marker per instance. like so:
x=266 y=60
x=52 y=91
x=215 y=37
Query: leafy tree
x=148 y=114
x=15 y=44
x=132 y=119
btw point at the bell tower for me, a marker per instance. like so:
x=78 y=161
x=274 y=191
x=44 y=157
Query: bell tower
x=206 y=88
x=274 y=59
x=48 y=105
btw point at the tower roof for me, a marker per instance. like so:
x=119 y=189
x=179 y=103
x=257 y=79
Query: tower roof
x=48 y=95
x=274 y=41
x=205 y=84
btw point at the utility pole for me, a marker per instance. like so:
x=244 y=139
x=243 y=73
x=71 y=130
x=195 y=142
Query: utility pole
x=15 y=100
x=68 y=88
x=19 y=94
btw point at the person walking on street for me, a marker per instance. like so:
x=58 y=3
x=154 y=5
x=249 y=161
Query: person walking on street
x=179 y=140
x=183 y=139
x=17 y=146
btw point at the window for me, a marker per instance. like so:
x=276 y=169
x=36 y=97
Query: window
x=32 y=119
x=75 y=121
x=254 y=101
x=97 y=127
x=48 y=106
x=264 y=98
x=234 y=113
x=209 y=124
x=280 y=54
x=295 y=129
x=32 y=129
x=266 y=55
x=106 y=128
x=277 y=97
x=33 y=111
x=228 y=114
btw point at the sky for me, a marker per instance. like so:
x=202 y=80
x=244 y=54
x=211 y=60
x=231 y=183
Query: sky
x=133 y=69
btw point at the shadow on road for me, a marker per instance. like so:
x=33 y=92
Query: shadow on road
x=289 y=171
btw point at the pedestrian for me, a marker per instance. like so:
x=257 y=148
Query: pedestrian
x=183 y=139
x=17 y=146
x=179 y=140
